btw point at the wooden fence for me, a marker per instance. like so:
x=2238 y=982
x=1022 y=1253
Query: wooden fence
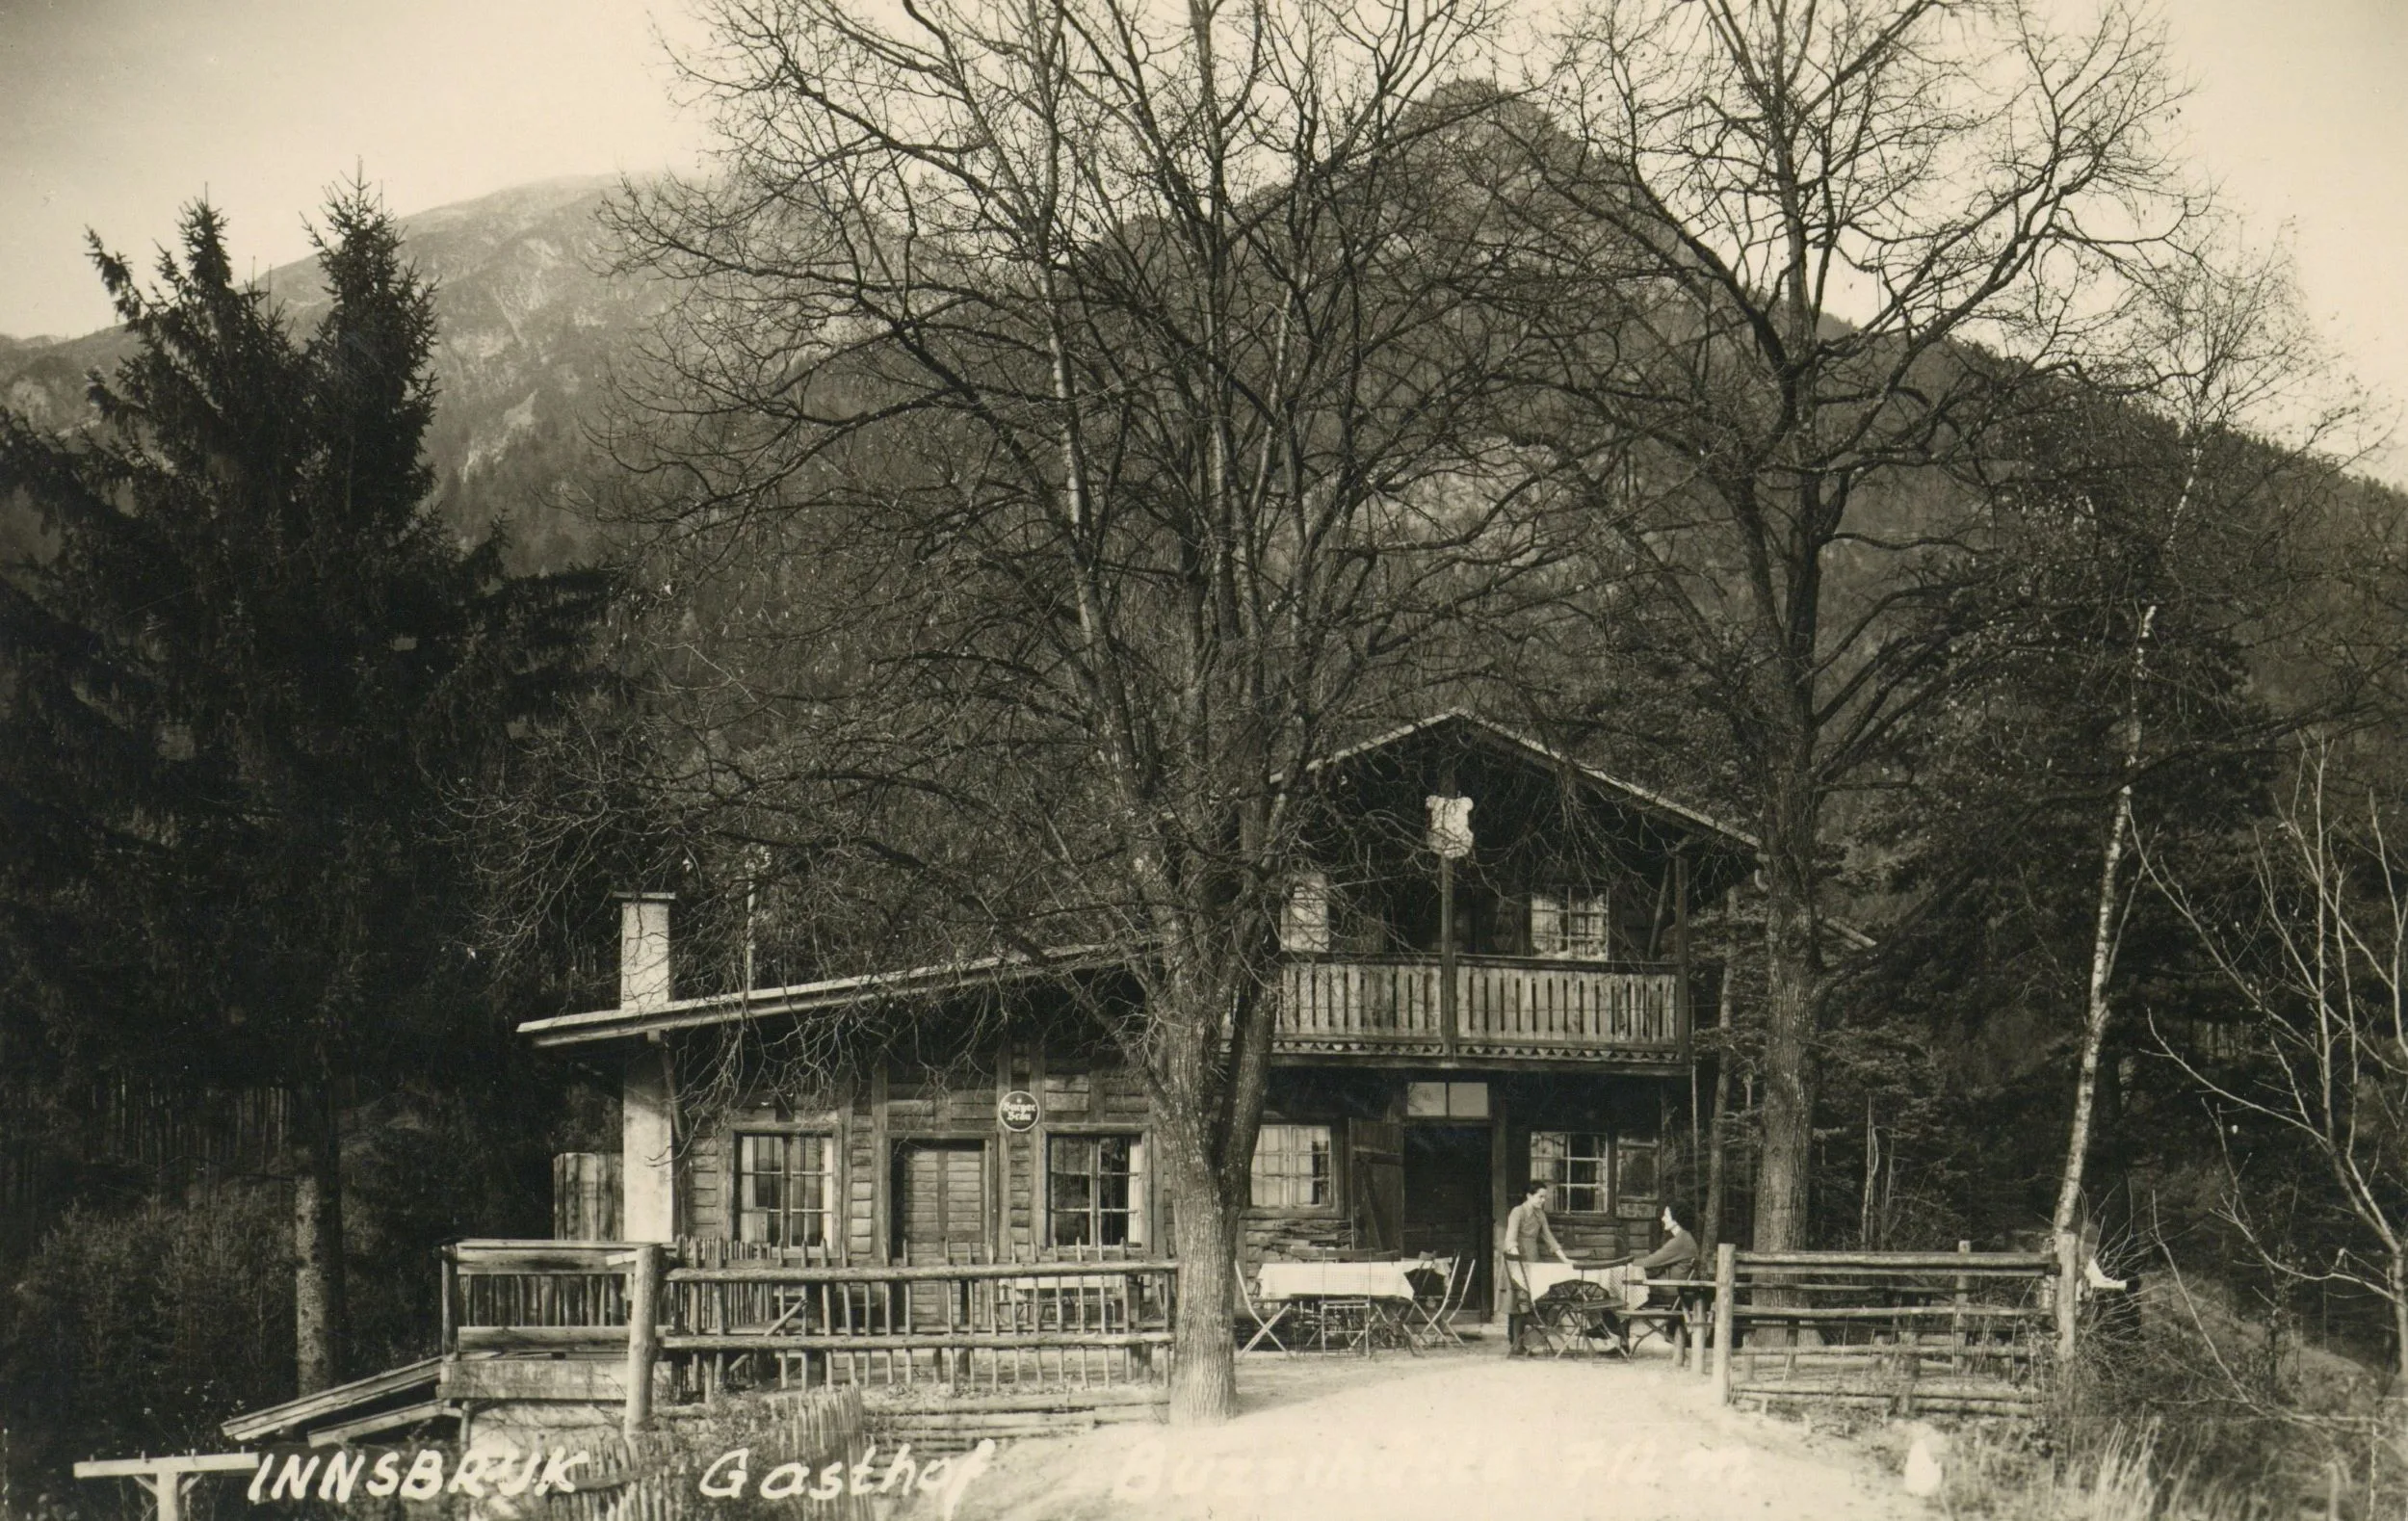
x=1974 y=1332
x=719 y=1326
x=657 y=1475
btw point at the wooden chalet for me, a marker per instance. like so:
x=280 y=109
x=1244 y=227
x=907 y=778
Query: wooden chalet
x=1489 y=978
x=1450 y=1027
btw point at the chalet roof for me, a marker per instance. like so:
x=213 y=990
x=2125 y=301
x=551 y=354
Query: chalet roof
x=1523 y=747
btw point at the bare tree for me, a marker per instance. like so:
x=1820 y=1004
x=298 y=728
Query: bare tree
x=1070 y=428
x=2321 y=972
x=1798 y=262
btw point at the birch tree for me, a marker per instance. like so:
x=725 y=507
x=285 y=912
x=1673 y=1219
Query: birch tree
x=2225 y=350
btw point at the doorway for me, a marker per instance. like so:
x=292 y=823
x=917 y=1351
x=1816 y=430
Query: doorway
x=1448 y=1211
x=940 y=1202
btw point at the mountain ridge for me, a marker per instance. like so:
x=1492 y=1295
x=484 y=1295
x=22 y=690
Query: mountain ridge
x=528 y=326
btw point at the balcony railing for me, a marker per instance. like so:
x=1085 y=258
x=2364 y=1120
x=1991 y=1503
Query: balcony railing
x=1504 y=1006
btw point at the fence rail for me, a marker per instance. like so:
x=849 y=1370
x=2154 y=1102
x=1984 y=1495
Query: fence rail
x=1504 y=1006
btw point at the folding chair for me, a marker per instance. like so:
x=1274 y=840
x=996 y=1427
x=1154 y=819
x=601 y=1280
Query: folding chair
x=1437 y=1324
x=1263 y=1329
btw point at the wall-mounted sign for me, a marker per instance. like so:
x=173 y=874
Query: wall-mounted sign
x=1017 y=1110
x=1450 y=826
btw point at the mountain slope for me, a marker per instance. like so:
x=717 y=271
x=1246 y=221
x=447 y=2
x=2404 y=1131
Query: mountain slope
x=530 y=327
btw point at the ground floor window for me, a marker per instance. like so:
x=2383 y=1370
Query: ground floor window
x=1635 y=1179
x=1575 y=1166
x=785 y=1189
x=1095 y=1189
x=1291 y=1168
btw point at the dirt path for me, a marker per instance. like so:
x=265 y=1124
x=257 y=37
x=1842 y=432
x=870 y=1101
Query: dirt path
x=1447 y=1437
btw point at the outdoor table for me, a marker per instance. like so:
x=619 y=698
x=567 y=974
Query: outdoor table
x=1626 y=1283
x=1382 y=1288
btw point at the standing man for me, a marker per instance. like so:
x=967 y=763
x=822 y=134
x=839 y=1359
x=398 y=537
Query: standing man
x=1526 y=1227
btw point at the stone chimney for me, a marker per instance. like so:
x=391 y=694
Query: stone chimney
x=643 y=966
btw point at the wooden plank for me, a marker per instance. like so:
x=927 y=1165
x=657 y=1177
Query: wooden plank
x=1810 y=1313
x=1040 y=1274
x=382 y=1421
x=539 y=1338
x=1936 y=1262
x=328 y=1401
x=928 y=1341
x=181 y=1463
x=568 y=1378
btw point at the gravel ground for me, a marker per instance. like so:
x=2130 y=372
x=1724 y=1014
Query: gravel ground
x=1453 y=1437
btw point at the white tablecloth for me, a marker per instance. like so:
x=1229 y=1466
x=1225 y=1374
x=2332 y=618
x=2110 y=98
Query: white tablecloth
x=1624 y=1282
x=1364 y=1280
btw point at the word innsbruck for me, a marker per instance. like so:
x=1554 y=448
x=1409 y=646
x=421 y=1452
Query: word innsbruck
x=423 y=1473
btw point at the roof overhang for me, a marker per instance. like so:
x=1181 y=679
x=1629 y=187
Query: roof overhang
x=768 y=1002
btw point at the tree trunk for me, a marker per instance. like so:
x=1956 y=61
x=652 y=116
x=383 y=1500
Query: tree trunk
x=2103 y=936
x=1718 y=1132
x=1783 y=1175
x=1204 y=1231
x=317 y=1287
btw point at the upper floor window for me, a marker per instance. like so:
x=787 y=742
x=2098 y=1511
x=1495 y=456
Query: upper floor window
x=785 y=1189
x=1095 y=1189
x=1304 y=920
x=1575 y=1166
x=1570 y=925
x=1292 y=1167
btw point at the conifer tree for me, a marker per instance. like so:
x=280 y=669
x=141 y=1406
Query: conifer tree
x=238 y=687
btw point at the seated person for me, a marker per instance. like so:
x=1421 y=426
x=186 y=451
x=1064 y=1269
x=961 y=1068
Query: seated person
x=1676 y=1258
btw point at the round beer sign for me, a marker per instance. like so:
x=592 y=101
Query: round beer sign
x=1017 y=1109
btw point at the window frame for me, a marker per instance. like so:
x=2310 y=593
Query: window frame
x=1566 y=906
x=790 y=1141
x=1139 y=1210
x=1329 y=1205
x=1607 y=1161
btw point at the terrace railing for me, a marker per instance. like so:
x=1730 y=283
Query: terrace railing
x=717 y=1324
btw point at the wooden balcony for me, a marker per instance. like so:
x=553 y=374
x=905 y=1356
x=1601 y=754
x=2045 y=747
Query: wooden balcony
x=1505 y=1007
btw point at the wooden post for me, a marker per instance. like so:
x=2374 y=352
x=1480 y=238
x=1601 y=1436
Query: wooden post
x=2068 y=1297
x=1956 y=1322
x=1726 y=1289
x=643 y=1333
x=1448 y=1015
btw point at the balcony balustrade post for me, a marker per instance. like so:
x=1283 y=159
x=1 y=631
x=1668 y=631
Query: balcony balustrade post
x=1450 y=1027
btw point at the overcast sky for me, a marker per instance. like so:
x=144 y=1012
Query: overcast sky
x=112 y=113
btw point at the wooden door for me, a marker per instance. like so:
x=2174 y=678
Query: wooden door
x=940 y=1202
x=1375 y=1163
